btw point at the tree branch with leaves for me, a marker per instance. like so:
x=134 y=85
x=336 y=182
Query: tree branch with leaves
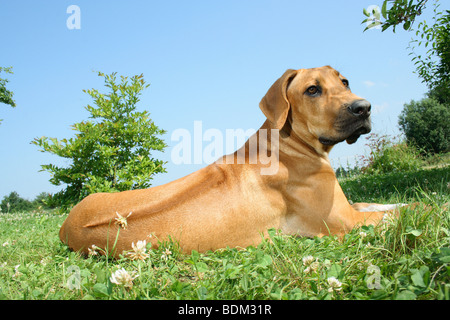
x=433 y=66
x=5 y=94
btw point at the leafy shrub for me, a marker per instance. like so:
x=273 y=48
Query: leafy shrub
x=425 y=123
x=112 y=151
x=388 y=155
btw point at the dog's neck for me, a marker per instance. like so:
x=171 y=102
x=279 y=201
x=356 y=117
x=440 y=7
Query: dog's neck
x=288 y=149
x=307 y=142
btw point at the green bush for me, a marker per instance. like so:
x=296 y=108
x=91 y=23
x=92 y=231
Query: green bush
x=425 y=123
x=112 y=151
x=390 y=155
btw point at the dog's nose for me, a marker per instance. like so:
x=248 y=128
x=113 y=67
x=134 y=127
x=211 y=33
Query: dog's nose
x=360 y=108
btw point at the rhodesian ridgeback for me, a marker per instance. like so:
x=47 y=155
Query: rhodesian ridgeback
x=231 y=203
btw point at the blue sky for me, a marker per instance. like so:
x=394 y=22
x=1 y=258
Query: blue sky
x=205 y=60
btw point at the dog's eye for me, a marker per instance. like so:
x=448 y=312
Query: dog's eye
x=345 y=82
x=312 y=91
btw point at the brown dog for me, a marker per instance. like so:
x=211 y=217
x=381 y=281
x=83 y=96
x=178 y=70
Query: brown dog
x=233 y=202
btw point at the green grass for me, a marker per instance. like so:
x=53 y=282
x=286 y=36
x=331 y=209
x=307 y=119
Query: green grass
x=408 y=258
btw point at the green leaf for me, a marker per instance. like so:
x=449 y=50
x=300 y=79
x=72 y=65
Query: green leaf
x=366 y=13
x=406 y=25
x=195 y=256
x=443 y=256
x=101 y=274
x=264 y=260
x=202 y=293
x=406 y=295
x=100 y=290
x=179 y=287
x=417 y=279
x=232 y=271
x=244 y=282
x=334 y=271
x=374 y=24
x=384 y=27
x=414 y=232
x=201 y=267
x=383 y=10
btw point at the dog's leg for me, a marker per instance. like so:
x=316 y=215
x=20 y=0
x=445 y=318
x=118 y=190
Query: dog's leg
x=369 y=207
x=374 y=213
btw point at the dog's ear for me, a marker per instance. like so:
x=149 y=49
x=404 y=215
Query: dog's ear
x=275 y=104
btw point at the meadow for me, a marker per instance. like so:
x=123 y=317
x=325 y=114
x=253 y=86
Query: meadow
x=406 y=258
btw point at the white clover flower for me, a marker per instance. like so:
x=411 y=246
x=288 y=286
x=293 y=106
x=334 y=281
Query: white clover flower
x=92 y=251
x=166 y=254
x=335 y=284
x=44 y=261
x=121 y=220
x=122 y=278
x=139 y=250
x=307 y=260
x=17 y=273
x=313 y=267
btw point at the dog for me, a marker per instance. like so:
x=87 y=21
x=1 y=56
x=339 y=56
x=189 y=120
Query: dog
x=231 y=203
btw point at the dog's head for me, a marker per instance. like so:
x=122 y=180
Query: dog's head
x=318 y=105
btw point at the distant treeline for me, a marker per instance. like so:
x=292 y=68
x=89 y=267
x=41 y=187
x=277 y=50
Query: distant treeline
x=15 y=203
